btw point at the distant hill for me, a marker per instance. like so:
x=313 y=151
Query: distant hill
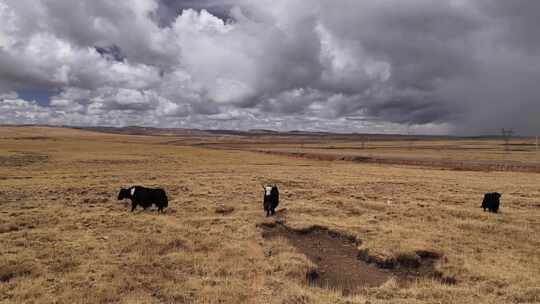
x=153 y=131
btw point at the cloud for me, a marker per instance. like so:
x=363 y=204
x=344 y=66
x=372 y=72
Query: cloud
x=14 y=111
x=369 y=66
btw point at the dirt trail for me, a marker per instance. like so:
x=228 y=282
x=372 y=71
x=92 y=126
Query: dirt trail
x=464 y=165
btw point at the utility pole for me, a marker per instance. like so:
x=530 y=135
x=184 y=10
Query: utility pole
x=507 y=135
x=410 y=135
x=536 y=143
x=364 y=140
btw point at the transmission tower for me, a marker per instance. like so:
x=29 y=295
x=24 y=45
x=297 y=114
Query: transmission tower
x=507 y=135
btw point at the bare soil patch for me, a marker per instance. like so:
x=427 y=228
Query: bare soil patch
x=408 y=267
x=341 y=266
x=33 y=138
x=14 y=178
x=335 y=255
x=224 y=210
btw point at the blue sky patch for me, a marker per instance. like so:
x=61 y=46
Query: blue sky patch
x=41 y=96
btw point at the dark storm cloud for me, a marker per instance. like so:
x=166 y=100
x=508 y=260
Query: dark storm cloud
x=112 y=52
x=446 y=59
x=418 y=111
x=438 y=66
x=516 y=21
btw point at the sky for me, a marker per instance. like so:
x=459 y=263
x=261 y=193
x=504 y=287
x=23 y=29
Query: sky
x=370 y=66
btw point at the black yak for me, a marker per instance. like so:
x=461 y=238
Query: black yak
x=271 y=199
x=491 y=202
x=144 y=197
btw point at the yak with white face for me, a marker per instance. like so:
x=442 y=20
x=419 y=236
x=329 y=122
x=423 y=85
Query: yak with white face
x=271 y=199
x=144 y=197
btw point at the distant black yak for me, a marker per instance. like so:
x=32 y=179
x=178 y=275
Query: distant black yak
x=491 y=202
x=271 y=199
x=144 y=197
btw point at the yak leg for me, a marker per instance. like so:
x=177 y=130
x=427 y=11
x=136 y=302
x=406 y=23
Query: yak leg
x=133 y=206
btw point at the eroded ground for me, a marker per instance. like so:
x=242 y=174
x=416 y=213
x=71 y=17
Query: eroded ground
x=64 y=238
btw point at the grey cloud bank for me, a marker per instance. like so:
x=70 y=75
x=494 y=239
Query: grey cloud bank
x=449 y=66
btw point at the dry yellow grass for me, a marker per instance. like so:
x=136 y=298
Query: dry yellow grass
x=64 y=238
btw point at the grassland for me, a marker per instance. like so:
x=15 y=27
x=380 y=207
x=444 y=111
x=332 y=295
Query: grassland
x=64 y=238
